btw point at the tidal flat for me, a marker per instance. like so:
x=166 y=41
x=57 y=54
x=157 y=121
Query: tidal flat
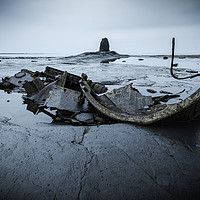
x=42 y=160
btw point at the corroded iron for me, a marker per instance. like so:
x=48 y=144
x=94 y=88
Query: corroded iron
x=149 y=115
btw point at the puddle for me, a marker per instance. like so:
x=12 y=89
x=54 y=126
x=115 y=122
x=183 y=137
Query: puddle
x=12 y=107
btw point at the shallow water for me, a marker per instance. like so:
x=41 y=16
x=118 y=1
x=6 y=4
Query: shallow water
x=14 y=110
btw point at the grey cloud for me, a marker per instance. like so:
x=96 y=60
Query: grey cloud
x=55 y=25
x=104 y=14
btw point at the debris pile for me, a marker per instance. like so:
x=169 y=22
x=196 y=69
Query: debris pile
x=72 y=99
x=56 y=93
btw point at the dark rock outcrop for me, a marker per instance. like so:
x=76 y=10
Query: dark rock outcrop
x=104 y=45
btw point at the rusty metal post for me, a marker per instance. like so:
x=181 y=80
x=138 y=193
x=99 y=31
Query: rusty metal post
x=172 y=65
x=172 y=59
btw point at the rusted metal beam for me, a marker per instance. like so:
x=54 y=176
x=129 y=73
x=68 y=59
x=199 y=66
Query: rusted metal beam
x=172 y=65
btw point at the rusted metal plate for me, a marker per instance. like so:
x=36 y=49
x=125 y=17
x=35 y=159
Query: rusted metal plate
x=34 y=86
x=42 y=95
x=65 y=99
x=129 y=99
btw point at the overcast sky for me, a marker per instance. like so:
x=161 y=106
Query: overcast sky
x=76 y=26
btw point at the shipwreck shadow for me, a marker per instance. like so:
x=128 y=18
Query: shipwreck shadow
x=185 y=132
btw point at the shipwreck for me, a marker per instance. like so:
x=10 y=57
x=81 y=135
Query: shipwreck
x=71 y=99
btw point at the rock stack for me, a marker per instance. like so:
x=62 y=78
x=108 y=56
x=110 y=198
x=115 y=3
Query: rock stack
x=104 y=45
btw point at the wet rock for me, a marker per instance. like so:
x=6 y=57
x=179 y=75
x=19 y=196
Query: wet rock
x=104 y=45
x=98 y=87
x=165 y=92
x=111 y=82
x=140 y=59
x=165 y=57
x=151 y=91
x=17 y=80
x=109 y=60
x=94 y=57
x=104 y=61
x=182 y=57
x=164 y=98
x=6 y=85
x=68 y=63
